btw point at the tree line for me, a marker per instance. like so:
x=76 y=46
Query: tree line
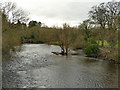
x=97 y=36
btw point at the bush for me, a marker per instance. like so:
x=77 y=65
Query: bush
x=91 y=50
x=91 y=41
x=10 y=39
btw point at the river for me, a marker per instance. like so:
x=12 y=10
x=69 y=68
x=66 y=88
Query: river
x=36 y=67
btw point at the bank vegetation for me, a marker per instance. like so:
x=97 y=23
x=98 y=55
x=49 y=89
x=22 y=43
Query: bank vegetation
x=97 y=36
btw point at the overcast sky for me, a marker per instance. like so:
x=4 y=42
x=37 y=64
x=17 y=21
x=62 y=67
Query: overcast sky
x=57 y=12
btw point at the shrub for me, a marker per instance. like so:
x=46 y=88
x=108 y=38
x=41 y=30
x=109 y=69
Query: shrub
x=91 y=41
x=91 y=48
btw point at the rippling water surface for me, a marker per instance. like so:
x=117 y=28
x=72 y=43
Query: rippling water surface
x=36 y=67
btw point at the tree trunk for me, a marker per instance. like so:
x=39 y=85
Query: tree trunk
x=62 y=49
x=102 y=43
x=66 y=51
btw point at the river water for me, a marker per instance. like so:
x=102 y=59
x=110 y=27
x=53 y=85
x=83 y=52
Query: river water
x=36 y=67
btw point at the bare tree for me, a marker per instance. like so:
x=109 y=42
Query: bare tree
x=86 y=28
x=13 y=13
x=105 y=16
x=64 y=38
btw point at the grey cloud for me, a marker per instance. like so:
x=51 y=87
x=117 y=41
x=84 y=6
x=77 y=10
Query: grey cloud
x=53 y=11
x=64 y=11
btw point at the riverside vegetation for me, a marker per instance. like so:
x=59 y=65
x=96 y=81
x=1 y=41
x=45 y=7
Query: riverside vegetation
x=97 y=36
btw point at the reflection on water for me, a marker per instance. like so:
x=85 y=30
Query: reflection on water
x=35 y=66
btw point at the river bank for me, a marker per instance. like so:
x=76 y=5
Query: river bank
x=104 y=54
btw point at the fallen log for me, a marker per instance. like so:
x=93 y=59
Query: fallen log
x=56 y=53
